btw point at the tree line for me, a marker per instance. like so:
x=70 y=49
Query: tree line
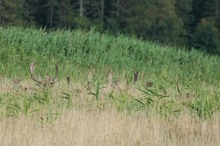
x=188 y=23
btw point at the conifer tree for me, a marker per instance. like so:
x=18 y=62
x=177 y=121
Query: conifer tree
x=65 y=14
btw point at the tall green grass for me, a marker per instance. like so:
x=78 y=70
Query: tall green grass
x=175 y=73
x=78 y=50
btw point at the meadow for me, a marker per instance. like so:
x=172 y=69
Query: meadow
x=111 y=90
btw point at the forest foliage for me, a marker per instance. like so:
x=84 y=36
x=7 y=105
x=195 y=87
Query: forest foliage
x=188 y=23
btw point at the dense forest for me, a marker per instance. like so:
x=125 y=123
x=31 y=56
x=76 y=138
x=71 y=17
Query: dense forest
x=187 y=23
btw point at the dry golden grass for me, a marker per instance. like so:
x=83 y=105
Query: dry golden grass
x=90 y=126
x=108 y=128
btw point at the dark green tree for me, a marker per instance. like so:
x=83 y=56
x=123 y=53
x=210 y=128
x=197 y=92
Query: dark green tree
x=212 y=10
x=152 y=19
x=51 y=13
x=37 y=12
x=184 y=11
x=206 y=37
x=11 y=12
x=80 y=10
x=111 y=16
x=96 y=13
x=198 y=8
x=65 y=14
x=29 y=11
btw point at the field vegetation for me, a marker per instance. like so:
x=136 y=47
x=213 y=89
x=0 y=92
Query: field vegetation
x=111 y=90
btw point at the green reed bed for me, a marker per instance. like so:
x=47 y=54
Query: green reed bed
x=181 y=79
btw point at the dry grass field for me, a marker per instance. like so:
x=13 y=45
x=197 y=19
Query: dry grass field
x=96 y=123
x=109 y=128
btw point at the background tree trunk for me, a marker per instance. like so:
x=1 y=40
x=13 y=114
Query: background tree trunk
x=81 y=8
